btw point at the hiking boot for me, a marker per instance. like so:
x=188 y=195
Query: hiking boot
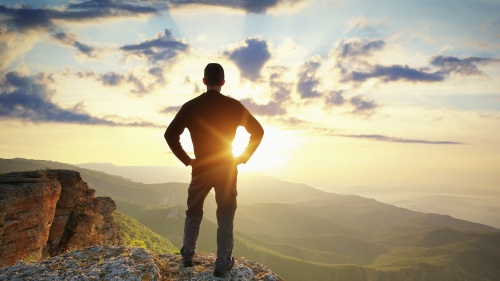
x=187 y=258
x=220 y=272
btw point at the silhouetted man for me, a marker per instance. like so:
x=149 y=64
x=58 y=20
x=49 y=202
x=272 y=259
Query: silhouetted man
x=212 y=119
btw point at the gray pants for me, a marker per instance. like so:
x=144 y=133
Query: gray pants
x=223 y=180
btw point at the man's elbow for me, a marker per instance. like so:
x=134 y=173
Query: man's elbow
x=165 y=135
x=259 y=133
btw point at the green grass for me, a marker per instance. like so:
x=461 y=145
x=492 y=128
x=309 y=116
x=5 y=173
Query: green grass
x=137 y=235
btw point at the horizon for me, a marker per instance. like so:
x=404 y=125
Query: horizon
x=461 y=205
x=399 y=101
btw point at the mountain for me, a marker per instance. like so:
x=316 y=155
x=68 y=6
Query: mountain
x=303 y=233
x=144 y=174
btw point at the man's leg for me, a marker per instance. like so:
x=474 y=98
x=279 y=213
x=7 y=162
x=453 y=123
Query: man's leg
x=225 y=196
x=197 y=192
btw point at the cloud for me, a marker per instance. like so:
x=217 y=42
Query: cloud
x=71 y=40
x=362 y=105
x=281 y=90
x=250 y=58
x=161 y=47
x=111 y=78
x=250 y=6
x=115 y=79
x=28 y=98
x=335 y=98
x=280 y=96
x=465 y=67
x=357 y=48
x=22 y=17
x=394 y=139
x=272 y=108
x=307 y=79
x=395 y=73
x=157 y=72
x=170 y=109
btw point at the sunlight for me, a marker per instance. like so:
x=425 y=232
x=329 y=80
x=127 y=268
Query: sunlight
x=275 y=150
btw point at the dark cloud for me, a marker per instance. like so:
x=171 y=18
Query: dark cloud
x=395 y=73
x=250 y=58
x=140 y=89
x=84 y=48
x=394 y=139
x=161 y=48
x=307 y=79
x=335 y=98
x=23 y=17
x=250 y=6
x=28 y=98
x=362 y=105
x=111 y=78
x=71 y=40
x=359 y=47
x=158 y=73
x=466 y=67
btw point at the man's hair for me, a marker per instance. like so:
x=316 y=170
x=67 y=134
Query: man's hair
x=214 y=74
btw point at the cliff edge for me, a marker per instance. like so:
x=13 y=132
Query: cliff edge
x=45 y=213
x=131 y=264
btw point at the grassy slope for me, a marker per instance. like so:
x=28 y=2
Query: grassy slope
x=136 y=234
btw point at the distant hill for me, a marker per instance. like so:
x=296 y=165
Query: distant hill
x=303 y=233
x=144 y=174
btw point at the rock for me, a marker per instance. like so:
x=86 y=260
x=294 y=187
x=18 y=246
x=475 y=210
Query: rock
x=27 y=207
x=127 y=263
x=44 y=213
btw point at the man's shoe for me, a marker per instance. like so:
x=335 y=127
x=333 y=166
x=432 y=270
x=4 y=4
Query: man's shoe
x=188 y=263
x=220 y=272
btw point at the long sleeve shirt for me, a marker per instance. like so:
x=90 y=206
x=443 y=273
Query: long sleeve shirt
x=212 y=119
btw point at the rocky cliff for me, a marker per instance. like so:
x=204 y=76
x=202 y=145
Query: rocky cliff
x=45 y=213
x=125 y=263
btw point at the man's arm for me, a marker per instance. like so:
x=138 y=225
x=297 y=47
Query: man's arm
x=172 y=136
x=256 y=132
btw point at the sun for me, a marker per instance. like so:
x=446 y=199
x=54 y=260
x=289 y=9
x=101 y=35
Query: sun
x=275 y=150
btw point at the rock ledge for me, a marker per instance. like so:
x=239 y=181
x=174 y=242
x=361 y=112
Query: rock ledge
x=131 y=264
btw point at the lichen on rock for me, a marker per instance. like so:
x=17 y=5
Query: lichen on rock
x=131 y=264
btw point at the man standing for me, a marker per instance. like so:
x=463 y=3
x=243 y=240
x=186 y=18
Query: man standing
x=212 y=119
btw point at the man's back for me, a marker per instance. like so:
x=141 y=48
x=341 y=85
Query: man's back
x=212 y=120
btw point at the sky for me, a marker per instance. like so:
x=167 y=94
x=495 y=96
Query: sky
x=353 y=95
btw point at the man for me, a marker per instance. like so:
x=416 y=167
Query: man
x=212 y=119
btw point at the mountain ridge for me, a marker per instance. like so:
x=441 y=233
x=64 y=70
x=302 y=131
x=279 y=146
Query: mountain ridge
x=406 y=245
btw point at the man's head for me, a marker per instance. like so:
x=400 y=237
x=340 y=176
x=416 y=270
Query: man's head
x=214 y=75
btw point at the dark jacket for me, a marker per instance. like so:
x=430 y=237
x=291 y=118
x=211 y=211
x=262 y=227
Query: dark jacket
x=212 y=119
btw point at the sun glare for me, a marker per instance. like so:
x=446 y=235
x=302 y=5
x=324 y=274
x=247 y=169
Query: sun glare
x=274 y=151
